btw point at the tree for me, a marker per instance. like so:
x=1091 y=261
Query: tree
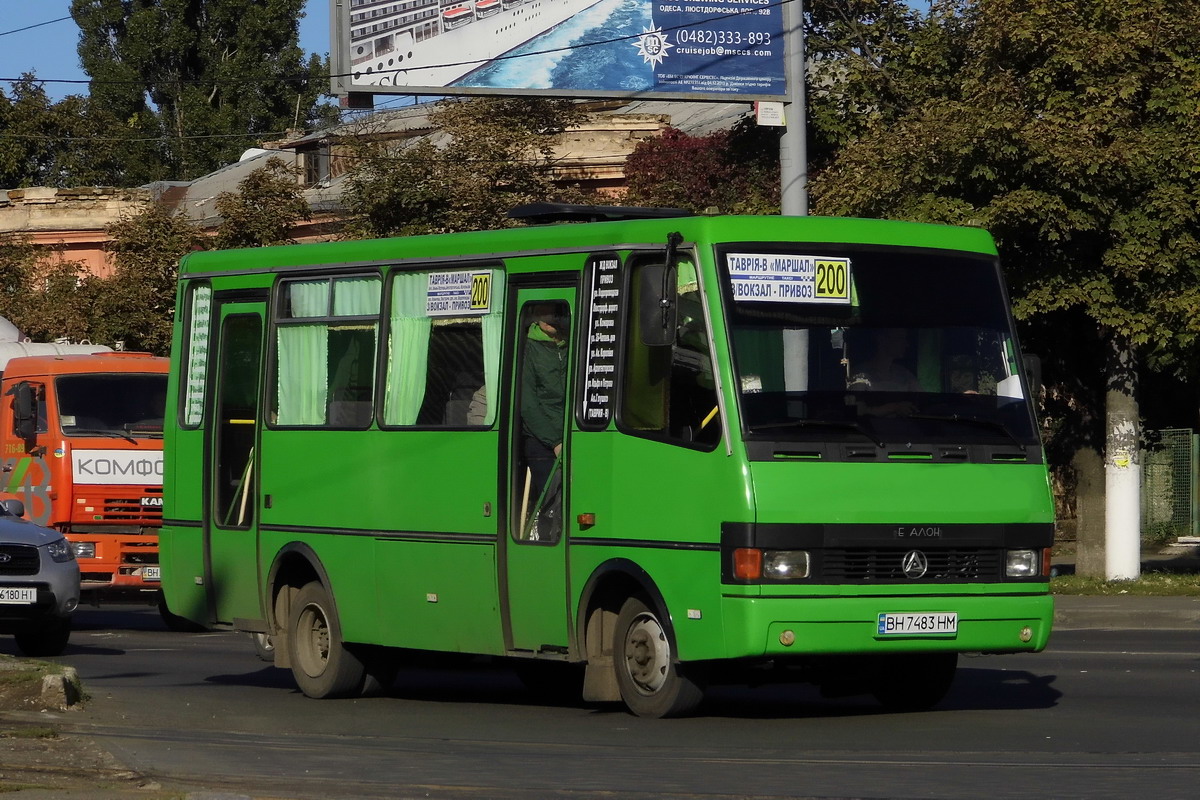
x=493 y=154
x=72 y=142
x=137 y=304
x=211 y=77
x=267 y=205
x=1067 y=128
x=735 y=171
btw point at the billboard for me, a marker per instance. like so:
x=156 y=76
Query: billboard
x=649 y=49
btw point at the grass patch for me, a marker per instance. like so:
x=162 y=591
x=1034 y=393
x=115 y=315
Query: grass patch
x=1150 y=584
x=35 y=732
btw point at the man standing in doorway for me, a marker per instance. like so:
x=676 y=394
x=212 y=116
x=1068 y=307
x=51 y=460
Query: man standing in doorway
x=543 y=404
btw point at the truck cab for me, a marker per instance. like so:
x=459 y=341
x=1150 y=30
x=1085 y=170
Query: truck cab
x=81 y=439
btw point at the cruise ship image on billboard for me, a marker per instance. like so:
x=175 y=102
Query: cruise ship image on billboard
x=432 y=43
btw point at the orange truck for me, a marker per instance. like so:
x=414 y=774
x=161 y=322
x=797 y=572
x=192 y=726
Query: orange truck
x=82 y=448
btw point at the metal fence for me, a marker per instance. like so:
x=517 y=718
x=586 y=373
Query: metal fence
x=1169 y=484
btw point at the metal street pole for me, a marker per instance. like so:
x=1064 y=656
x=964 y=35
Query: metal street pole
x=793 y=145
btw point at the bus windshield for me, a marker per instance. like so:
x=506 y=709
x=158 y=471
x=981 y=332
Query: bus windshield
x=112 y=404
x=891 y=346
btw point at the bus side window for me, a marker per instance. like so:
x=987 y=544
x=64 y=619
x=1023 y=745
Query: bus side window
x=327 y=333
x=440 y=363
x=668 y=390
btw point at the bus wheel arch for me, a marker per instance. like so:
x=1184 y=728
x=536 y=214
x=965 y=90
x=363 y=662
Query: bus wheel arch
x=621 y=606
x=295 y=566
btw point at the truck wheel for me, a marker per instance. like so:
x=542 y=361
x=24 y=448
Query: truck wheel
x=264 y=646
x=49 y=639
x=321 y=663
x=914 y=682
x=651 y=683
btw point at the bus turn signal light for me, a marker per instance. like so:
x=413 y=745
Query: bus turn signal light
x=747 y=563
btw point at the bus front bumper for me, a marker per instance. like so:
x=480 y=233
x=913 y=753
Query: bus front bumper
x=795 y=626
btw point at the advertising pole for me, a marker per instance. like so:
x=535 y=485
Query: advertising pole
x=793 y=145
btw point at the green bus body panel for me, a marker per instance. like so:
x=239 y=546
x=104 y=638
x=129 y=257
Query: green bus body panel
x=407 y=523
x=628 y=483
x=901 y=493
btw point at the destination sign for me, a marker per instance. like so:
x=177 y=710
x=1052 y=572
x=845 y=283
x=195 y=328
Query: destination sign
x=785 y=278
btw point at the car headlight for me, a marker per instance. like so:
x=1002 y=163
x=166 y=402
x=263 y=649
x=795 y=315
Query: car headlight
x=60 y=551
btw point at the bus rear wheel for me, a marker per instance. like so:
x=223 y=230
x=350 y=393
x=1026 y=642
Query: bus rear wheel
x=651 y=683
x=321 y=663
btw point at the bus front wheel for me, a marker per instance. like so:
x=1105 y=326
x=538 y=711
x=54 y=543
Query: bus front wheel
x=651 y=683
x=321 y=663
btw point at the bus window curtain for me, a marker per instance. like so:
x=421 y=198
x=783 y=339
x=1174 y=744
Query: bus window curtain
x=304 y=358
x=356 y=297
x=408 y=349
x=493 y=337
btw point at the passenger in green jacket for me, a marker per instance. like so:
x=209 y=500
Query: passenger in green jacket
x=543 y=406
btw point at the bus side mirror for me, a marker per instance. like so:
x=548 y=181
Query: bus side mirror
x=13 y=507
x=657 y=310
x=24 y=414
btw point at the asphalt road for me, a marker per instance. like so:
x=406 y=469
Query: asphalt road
x=1099 y=714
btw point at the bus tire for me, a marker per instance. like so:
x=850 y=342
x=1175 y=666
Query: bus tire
x=321 y=663
x=651 y=683
x=915 y=682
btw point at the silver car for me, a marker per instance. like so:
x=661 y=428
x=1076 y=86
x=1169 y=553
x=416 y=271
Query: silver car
x=39 y=583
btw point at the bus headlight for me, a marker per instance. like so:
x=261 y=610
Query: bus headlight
x=753 y=564
x=84 y=549
x=1022 y=564
x=785 y=565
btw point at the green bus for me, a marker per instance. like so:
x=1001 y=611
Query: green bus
x=635 y=455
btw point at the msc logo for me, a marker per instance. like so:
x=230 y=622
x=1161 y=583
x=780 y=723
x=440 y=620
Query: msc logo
x=914 y=564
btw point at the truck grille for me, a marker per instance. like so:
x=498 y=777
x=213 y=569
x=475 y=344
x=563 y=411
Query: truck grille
x=951 y=565
x=22 y=559
x=119 y=509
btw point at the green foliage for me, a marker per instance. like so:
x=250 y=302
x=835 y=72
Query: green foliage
x=211 y=77
x=492 y=154
x=1068 y=129
x=44 y=295
x=735 y=171
x=267 y=205
x=137 y=304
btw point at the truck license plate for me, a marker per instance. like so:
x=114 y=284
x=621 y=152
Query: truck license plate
x=936 y=624
x=151 y=573
x=18 y=595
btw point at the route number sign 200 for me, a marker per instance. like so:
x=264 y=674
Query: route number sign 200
x=833 y=279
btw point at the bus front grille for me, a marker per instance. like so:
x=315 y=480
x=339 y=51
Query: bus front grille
x=887 y=564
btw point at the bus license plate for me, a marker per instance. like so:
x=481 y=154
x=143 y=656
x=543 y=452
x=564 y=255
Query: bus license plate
x=14 y=595
x=938 y=624
x=151 y=573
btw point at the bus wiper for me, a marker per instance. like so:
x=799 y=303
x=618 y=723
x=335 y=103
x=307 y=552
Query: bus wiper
x=970 y=420
x=98 y=432
x=852 y=425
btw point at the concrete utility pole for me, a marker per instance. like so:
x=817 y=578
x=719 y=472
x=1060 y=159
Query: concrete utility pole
x=793 y=145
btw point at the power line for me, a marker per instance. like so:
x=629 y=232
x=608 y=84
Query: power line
x=37 y=25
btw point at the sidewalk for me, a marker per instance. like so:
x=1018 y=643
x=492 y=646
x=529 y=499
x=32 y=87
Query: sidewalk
x=1114 y=612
